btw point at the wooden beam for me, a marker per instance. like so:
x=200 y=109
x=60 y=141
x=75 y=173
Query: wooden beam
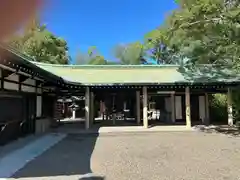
x=7 y=73
x=39 y=83
x=22 y=78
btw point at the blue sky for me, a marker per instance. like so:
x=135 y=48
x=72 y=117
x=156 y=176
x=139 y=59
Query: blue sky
x=104 y=23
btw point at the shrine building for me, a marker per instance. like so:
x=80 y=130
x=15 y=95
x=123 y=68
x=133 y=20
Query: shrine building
x=35 y=93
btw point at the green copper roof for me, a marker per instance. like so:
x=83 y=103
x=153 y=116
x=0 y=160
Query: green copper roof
x=132 y=74
x=140 y=74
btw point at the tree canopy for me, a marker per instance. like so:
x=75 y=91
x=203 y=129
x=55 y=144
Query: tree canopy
x=92 y=57
x=131 y=54
x=205 y=31
x=42 y=45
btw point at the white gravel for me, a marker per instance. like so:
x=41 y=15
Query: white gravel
x=139 y=156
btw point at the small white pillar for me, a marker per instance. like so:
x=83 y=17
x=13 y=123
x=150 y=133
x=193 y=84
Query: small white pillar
x=87 y=108
x=145 y=108
x=173 y=107
x=74 y=114
x=188 y=108
x=230 y=108
x=138 y=110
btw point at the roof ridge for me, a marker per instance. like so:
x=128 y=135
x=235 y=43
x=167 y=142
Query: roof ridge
x=103 y=66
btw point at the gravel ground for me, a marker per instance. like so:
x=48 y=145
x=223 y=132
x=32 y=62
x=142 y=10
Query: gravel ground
x=139 y=156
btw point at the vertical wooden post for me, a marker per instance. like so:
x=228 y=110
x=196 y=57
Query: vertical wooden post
x=145 y=108
x=102 y=110
x=188 y=107
x=207 y=118
x=230 y=108
x=87 y=107
x=1 y=81
x=138 y=110
x=92 y=112
x=173 y=107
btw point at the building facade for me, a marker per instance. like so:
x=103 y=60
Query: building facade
x=138 y=94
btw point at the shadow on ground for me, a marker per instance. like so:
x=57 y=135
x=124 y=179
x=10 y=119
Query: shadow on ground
x=71 y=158
x=224 y=129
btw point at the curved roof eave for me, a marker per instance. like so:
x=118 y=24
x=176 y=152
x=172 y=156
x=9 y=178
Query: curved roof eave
x=28 y=61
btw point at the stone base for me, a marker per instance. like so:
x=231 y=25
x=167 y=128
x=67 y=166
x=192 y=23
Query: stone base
x=42 y=125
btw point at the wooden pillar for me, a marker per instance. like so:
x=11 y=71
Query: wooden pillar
x=92 y=112
x=207 y=117
x=124 y=105
x=145 y=108
x=188 y=107
x=1 y=81
x=173 y=108
x=87 y=108
x=230 y=108
x=138 y=110
x=102 y=109
x=124 y=109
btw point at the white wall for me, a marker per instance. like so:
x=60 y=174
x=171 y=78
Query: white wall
x=30 y=82
x=10 y=85
x=29 y=88
x=15 y=86
x=13 y=77
x=202 y=108
x=178 y=107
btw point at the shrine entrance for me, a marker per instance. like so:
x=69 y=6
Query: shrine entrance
x=115 y=107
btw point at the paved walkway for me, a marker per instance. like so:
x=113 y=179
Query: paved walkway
x=138 y=156
x=17 y=144
x=25 y=151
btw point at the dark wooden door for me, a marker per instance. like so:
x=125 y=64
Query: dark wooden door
x=194 y=108
x=30 y=113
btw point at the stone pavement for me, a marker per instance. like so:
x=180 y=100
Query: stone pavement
x=185 y=155
x=25 y=150
x=17 y=144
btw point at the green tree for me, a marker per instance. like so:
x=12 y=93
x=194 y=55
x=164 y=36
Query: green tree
x=92 y=57
x=205 y=31
x=42 y=45
x=157 y=48
x=131 y=54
